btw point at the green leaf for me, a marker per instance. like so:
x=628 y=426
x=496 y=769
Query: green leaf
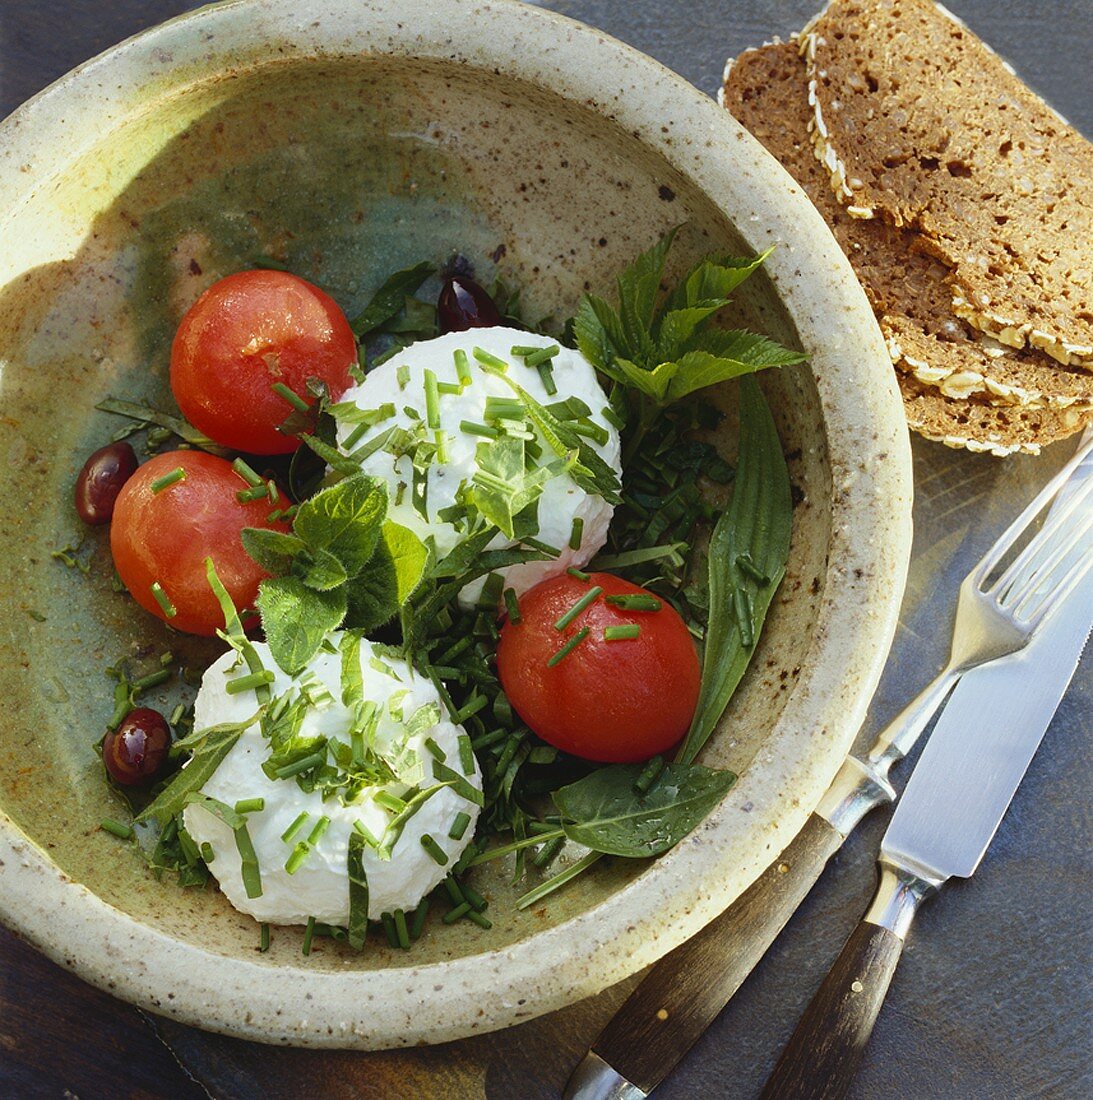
x=390 y=299
x=638 y=286
x=297 y=618
x=272 y=550
x=390 y=579
x=712 y=277
x=321 y=570
x=653 y=382
x=603 y=811
x=146 y=415
x=503 y=486
x=357 y=929
x=209 y=747
x=738 y=353
x=756 y=527
x=591 y=333
x=345 y=520
x=676 y=327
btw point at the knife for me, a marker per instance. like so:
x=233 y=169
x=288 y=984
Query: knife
x=954 y=802
x=683 y=993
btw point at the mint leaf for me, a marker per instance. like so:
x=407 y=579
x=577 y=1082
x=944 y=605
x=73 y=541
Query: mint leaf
x=297 y=618
x=603 y=811
x=344 y=520
x=392 y=576
x=320 y=569
x=272 y=550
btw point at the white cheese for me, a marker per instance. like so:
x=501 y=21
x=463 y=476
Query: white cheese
x=320 y=886
x=562 y=500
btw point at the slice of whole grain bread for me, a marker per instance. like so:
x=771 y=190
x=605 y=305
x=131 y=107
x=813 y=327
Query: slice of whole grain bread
x=766 y=90
x=919 y=123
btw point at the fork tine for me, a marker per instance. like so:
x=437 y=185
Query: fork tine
x=1058 y=593
x=1043 y=498
x=1025 y=567
x=1038 y=579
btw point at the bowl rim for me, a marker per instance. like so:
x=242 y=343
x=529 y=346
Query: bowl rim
x=870 y=463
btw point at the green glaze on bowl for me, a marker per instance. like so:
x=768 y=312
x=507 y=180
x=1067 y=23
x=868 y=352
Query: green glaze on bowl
x=347 y=139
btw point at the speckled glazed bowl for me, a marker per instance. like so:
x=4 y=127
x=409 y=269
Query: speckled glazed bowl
x=349 y=138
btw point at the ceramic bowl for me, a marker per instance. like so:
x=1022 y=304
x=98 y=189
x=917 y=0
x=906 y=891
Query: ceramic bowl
x=349 y=138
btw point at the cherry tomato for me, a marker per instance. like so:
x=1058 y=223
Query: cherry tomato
x=611 y=701
x=164 y=538
x=243 y=335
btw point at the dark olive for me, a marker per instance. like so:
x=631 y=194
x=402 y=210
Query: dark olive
x=134 y=753
x=463 y=304
x=100 y=481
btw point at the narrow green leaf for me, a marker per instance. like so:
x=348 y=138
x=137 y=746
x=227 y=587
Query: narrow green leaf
x=390 y=298
x=297 y=618
x=358 y=891
x=756 y=527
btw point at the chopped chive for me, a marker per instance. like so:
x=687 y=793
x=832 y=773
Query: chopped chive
x=248 y=858
x=356 y=435
x=299 y=854
x=297 y=767
x=432 y=399
x=466 y=754
x=108 y=824
x=548 y=853
x=167 y=658
x=246 y=473
x=373 y=445
x=560 y=879
x=435 y=851
x=612 y=418
x=512 y=605
x=747 y=566
x=459 y=911
x=524 y=350
x=478 y=902
x=294 y=399
x=388 y=922
x=568 y=648
x=591 y=430
x=271 y=492
x=417 y=920
x=389 y=801
x=462 y=367
x=435 y=749
x=649 y=775
x=449 y=387
x=402 y=933
x=309 y=935
x=471 y=708
x=504 y=408
x=402 y=374
x=249 y=682
x=153 y=679
x=470 y=427
x=479 y=919
x=318 y=831
x=372 y=841
x=254 y=492
x=250 y=805
x=589 y=597
x=621 y=633
x=546 y=376
x=743 y=618
x=545 y=547
x=455 y=891
x=176 y=714
x=443 y=455
x=295 y=827
x=459 y=826
x=263 y=937
x=163 y=600
x=176 y=475
x=578 y=573
x=635 y=602
x=576 y=533
x=489 y=360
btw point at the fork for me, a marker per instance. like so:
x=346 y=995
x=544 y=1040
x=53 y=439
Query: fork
x=684 y=992
x=997 y=616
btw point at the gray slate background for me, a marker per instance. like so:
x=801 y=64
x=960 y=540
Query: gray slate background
x=994 y=998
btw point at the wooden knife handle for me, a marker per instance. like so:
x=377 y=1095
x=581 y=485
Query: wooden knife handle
x=683 y=993
x=822 y=1055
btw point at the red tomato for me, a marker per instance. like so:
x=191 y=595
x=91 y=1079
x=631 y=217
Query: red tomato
x=243 y=335
x=611 y=701
x=164 y=537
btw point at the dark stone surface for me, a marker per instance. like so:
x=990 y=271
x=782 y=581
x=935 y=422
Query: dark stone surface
x=993 y=997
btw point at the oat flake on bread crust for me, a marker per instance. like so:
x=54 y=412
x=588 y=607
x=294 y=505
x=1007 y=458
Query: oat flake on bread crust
x=918 y=123
x=765 y=90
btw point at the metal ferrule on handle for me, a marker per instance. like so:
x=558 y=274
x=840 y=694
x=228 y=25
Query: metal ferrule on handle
x=898 y=896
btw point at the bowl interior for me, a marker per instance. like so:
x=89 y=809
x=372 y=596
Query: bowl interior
x=344 y=171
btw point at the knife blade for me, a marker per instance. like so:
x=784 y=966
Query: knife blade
x=950 y=810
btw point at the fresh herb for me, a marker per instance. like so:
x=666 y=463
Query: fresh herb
x=568 y=648
x=755 y=527
x=160 y=483
x=390 y=299
x=621 y=632
x=145 y=415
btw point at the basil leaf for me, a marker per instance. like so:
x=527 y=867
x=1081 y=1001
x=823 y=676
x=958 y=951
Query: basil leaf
x=345 y=520
x=272 y=550
x=390 y=579
x=603 y=811
x=210 y=746
x=390 y=299
x=755 y=528
x=297 y=618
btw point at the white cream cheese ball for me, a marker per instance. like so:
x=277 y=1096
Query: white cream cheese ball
x=319 y=888
x=401 y=382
